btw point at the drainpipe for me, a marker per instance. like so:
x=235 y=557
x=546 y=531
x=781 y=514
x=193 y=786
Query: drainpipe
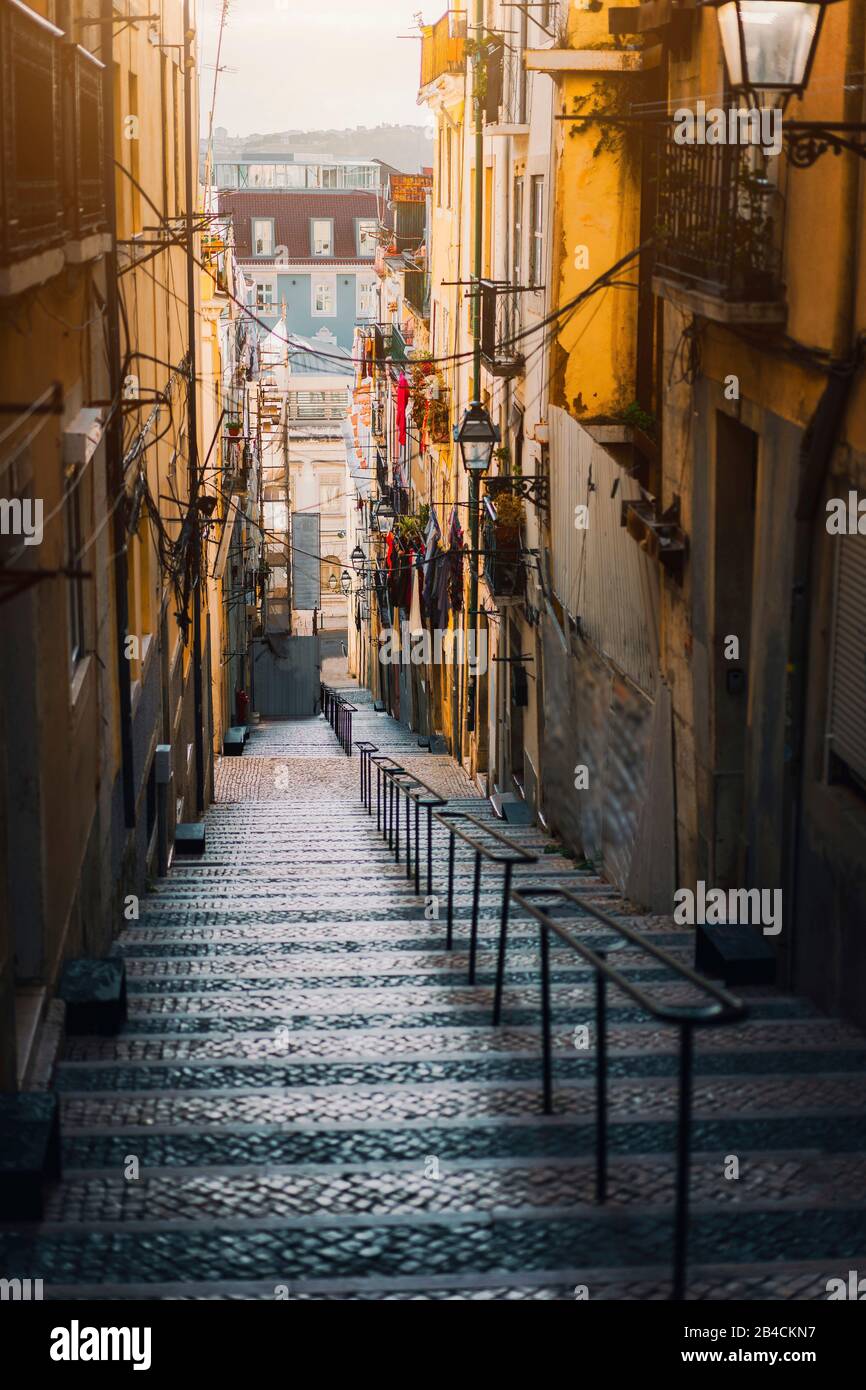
x=472 y=615
x=818 y=447
x=192 y=410
x=114 y=441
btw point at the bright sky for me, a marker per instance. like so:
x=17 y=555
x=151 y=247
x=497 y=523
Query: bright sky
x=312 y=64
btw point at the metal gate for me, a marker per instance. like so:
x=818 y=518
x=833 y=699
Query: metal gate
x=286 y=677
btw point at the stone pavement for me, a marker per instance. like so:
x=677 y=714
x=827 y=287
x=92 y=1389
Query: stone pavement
x=316 y=1101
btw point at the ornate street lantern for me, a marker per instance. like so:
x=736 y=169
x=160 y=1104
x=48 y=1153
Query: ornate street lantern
x=476 y=434
x=384 y=512
x=769 y=45
x=332 y=583
x=358 y=559
x=345 y=582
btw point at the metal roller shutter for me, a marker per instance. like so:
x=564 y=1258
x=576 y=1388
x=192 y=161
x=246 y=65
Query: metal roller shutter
x=848 y=689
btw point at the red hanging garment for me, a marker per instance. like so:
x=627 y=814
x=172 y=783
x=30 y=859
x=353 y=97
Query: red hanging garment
x=402 y=402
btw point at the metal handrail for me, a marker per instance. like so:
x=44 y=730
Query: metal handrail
x=508 y=861
x=338 y=712
x=397 y=779
x=725 y=1008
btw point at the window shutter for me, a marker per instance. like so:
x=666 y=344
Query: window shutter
x=848 y=689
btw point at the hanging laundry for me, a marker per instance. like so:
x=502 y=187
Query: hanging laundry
x=441 y=590
x=455 y=562
x=402 y=403
x=414 y=608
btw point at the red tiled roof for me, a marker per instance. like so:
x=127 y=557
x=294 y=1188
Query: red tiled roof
x=292 y=211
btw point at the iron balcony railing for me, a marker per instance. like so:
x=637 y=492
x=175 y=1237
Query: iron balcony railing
x=504 y=559
x=416 y=292
x=398 y=344
x=500 y=325
x=51 y=137
x=31 y=133
x=84 y=133
x=718 y=222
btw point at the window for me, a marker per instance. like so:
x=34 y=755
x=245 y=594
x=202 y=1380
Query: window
x=332 y=569
x=324 y=297
x=448 y=162
x=440 y=165
x=517 y=233
x=367 y=237
x=536 y=249
x=366 y=305
x=264 y=294
x=263 y=236
x=323 y=236
x=276 y=520
x=332 y=494
x=329 y=178
x=75 y=587
x=316 y=405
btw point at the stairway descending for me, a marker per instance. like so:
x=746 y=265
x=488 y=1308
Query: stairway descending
x=317 y=1106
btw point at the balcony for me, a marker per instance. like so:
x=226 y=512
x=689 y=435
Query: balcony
x=443 y=47
x=500 y=323
x=51 y=151
x=416 y=292
x=718 y=233
x=503 y=560
x=31 y=135
x=83 y=155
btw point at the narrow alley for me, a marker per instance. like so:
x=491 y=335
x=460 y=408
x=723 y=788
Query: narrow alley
x=432 y=673
x=320 y=1107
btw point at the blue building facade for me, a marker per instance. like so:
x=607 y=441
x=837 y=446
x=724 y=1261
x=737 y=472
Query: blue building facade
x=310 y=257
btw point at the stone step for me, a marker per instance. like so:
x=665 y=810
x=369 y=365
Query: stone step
x=268 y=1066
x=488 y=1185
x=271 y=1105
x=492 y=1246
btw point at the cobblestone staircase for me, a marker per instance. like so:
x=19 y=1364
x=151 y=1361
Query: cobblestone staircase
x=319 y=1107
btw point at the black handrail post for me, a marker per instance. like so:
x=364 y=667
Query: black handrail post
x=503 y=934
x=429 y=849
x=545 y=1022
x=473 y=938
x=601 y=1085
x=397 y=821
x=449 y=940
x=390 y=812
x=378 y=793
x=417 y=848
x=681 y=1227
x=408 y=836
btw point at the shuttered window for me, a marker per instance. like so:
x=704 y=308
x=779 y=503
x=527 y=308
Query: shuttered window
x=848 y=673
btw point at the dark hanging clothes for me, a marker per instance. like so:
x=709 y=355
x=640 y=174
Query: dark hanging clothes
x=455 y=563
x=441 y=590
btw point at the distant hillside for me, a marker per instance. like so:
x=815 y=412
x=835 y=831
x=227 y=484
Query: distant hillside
x=406 y=147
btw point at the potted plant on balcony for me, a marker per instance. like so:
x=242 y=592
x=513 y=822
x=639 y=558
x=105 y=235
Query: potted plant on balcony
x=505 y=565
x=233 y=426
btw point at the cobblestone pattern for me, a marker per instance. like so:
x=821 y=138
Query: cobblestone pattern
x=399 y=1191
x=300 y=1047
x=422 y=1248
x=455 y=1101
